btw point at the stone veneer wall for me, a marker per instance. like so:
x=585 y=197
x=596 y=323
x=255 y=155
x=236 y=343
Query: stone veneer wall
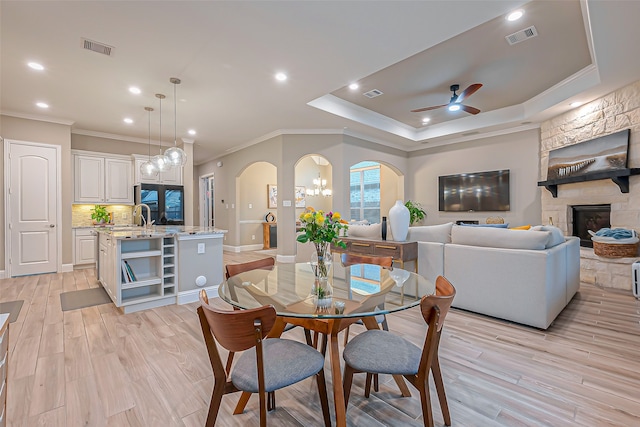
x=614 y=112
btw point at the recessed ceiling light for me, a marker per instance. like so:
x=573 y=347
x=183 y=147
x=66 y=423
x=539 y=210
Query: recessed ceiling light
x=42 y=104
x=281 y=77
x=426 y=120
x=35 y=66
x=575 y=104
x=135 y=90
x=127 y=120
x=454 y=107
x=354 y=86
x=515 y=15
x=192 y=132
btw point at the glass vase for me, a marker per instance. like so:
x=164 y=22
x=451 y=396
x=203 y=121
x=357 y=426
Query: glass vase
x=321 y=291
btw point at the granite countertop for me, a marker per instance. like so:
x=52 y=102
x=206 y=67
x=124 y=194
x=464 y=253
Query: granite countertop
x=128 y=232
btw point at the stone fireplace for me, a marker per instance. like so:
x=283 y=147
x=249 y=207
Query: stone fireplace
x=617 y=111
x=587 y=218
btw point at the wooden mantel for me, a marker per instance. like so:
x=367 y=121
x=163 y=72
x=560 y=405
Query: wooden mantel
x=619 y=176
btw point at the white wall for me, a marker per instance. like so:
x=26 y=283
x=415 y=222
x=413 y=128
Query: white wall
x=518 y=152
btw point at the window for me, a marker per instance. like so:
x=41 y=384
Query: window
x=365 y=191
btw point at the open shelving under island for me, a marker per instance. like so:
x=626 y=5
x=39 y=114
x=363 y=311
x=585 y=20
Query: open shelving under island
x=140 y=268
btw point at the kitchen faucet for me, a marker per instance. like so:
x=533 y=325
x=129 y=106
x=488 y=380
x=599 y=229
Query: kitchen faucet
x=148 y=218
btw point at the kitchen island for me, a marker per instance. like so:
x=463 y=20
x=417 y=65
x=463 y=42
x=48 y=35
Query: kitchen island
x=143 y=268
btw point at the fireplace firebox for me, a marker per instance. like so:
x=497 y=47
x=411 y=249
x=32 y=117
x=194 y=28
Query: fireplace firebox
x=590 y=217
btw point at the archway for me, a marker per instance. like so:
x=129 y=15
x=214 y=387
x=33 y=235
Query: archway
x=314 y=188
x=253 y=205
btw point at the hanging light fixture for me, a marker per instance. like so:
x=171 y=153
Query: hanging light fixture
x=160 y=160
x=321 y=188
x=148 y=169
x=176 y=155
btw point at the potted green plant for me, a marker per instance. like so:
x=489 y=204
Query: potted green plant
x=99 y=214
x=416 y=213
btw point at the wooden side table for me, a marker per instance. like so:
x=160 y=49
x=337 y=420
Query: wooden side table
x=400 y=251
x=269 y=235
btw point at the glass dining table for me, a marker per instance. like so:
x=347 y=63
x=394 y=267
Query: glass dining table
x=359 y=292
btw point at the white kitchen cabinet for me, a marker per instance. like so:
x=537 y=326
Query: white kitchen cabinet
x=102 y=179
x=85 y=243
x=173 y=176
x=88 y=179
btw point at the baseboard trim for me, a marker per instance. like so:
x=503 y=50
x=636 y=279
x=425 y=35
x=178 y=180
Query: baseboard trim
x=286 y=259
x=2 y=273
x=66 y=268
x=193 y=295
x=243 y=248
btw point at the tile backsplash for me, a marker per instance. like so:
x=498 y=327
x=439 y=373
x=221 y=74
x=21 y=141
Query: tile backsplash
x=81 y=214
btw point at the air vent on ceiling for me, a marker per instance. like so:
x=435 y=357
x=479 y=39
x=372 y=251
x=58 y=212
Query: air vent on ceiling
x=522 y=35
x=97 y=47
x=373 y=93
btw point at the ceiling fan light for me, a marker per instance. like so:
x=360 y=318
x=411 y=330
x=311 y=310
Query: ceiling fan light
x=454 y=107
x=176 y=155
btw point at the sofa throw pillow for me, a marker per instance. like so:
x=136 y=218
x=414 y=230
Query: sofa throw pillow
x=431 y=233
x=556 y=234
x=372 y=231
x=486 y=225
x=499 y=238
x=522 y=227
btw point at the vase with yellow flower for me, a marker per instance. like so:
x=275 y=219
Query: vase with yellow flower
x=321 y=229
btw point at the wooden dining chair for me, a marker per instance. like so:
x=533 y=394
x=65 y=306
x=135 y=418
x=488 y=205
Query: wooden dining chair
x=349 y=259
x=381 y=352
x=264 y=366
x=234 y=269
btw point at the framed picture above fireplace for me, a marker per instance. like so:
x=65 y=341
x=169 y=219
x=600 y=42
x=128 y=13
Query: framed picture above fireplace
x=606 y=153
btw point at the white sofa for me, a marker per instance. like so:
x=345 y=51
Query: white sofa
x=524 y=276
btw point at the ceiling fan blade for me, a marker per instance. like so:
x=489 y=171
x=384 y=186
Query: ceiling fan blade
x=468 y=91
x=419 y=110
x=470 y=110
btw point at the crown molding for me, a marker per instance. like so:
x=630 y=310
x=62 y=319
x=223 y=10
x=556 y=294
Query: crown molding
x=37 y=117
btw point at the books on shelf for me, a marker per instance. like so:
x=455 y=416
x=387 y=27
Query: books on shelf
x=127 y=272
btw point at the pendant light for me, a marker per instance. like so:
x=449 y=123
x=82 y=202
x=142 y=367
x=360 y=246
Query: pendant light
x=177 y=156
x=148 y=169
x=161 y=161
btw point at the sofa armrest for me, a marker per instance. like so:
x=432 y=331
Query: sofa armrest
x=520 y=285
x=430 y=260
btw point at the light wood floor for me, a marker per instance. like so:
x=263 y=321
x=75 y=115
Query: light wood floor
x=97 y=367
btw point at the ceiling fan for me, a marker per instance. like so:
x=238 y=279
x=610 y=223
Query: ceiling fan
x=455 y=101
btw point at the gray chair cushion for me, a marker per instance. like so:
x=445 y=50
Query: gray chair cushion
x=381 y=352
x=285 y=362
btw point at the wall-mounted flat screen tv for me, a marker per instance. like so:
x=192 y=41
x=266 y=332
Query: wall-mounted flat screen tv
x=478 y=191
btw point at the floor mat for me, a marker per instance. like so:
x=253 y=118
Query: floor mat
x=13 y=308
x=84 y=298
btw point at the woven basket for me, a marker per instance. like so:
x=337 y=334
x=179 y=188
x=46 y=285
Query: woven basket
x=613 y=250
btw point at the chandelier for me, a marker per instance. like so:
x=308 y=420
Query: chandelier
x=320 y=188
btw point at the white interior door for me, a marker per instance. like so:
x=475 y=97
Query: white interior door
x=33 y=206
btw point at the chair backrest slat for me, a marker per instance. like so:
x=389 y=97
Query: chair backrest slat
x=265 y=264
x=234 y=330
x=445 y=292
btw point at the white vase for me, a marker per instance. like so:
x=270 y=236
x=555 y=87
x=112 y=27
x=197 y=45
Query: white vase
x=399 y=221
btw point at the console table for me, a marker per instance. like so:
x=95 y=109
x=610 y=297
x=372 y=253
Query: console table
x=400 y=251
